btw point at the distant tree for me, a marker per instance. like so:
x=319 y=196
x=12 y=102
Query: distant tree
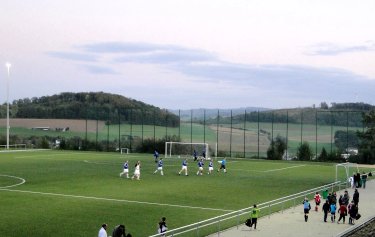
x=276 y=149
x=367 y=139
x=323 y=155
x=345 y=139
x=323 y=105
x=304 y=151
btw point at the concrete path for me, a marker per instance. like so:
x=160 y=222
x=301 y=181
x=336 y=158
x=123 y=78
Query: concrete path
x=291 y=222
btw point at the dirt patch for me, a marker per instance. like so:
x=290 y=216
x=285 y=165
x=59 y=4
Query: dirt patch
x=53 y=124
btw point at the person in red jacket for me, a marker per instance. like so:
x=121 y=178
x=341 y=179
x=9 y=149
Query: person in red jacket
x=343 y=212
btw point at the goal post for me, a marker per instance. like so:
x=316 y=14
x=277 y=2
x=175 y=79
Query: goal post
x=124 y=150
x=186 y=149
x=348 y=168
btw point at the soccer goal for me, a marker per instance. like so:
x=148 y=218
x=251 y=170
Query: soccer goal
x=186 y=149
x=345 y=170
x=124 y=150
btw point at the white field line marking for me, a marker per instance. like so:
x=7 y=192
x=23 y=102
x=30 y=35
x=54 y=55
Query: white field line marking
x=290 y=167
x=15 y=177
x=114 y=200
x=273 y=170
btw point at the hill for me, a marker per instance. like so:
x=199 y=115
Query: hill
x=90 y=105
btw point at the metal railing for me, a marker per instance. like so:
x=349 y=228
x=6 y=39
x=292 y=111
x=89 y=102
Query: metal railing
x=238 y=217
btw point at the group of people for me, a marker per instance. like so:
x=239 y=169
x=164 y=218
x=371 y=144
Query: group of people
x=118 y=231
x=137 y=170
x=359 y=180
x=200 y=164
x=344 y=207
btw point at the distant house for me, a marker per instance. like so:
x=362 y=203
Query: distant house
x=41 y=128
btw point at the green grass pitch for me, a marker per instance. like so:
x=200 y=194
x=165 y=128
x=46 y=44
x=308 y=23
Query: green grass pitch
x=73 y=193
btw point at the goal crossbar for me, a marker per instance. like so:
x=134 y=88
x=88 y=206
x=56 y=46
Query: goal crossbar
x=169 y=145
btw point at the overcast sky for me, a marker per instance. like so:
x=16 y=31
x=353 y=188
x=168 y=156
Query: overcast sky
x=187 y=54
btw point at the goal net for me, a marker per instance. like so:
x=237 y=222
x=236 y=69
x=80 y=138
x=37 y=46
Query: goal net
x=124 y=150
x=345 y=170
x=186 y=149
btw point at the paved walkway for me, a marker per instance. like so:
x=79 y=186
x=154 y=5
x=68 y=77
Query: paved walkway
x=291 y=222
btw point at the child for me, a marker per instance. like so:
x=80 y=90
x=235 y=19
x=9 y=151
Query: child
x=333 y=212
x=317 y=200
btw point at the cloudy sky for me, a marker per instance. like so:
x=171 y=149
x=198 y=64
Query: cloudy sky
x=182 y=54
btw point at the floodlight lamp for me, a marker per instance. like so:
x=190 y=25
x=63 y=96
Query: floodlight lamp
x=8 y=65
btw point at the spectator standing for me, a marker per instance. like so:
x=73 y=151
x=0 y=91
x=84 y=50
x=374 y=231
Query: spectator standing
x=356 y=197
x=346 y=198
x=254 y=216
x=326 y=208
x=353 y=211
x=343 y=212
x=364 y=179
x=333 y=212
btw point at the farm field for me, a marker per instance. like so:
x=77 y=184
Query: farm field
x=59 y=193
x=253 y=140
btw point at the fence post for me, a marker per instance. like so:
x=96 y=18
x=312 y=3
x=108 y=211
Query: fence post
x=269 y=211
x=198 y=230
x=218 y=233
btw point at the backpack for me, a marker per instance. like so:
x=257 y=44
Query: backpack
x=248 y=222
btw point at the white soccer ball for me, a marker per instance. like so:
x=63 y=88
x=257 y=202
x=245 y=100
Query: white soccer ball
x=179 y=157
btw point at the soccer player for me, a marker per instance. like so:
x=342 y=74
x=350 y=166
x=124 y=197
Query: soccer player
x=126 y=169
x=317 y=200
x=210 y=167
x=204 y=153
x=137 y=171
x=200 y=167
x=184 y=167
x=156 y=156
x=222 y=166
x=306 y=208
x=160 y=167
x=195 y=155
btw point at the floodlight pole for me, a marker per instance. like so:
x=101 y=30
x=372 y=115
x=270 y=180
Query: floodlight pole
x=8 y=126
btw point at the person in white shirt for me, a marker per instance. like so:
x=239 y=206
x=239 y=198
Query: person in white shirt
x=103 y=231
x=137 y=171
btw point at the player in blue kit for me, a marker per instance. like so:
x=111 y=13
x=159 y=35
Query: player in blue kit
x=223 y=165
x=200 y=167
x=126 y=169
x=184 y=167
x=156 y=156
x=210 y=167
x=160 y=167
x=195 y=155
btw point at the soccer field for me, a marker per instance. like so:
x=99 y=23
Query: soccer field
x=59 y=193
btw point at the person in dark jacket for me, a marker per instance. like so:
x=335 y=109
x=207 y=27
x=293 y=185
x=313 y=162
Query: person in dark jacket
x=119 y=231
x=326 y=209
x=356 y=197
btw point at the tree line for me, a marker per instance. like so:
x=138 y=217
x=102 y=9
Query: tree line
x=91 y=105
